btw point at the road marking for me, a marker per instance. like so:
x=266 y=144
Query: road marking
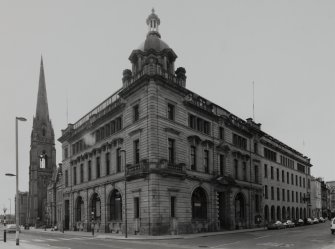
x=52 y=239
x=38 y=240
x=274 y=244
x=263 y=237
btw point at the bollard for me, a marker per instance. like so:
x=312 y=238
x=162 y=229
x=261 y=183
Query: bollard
x=4 y=235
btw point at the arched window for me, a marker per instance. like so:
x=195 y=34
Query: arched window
x=305 y=214
x=266 y=212
x=239 y=207
x=273 y=213
x=79 y=209
x=96 y=207
x=115 y=208
x=278 y=213
x=199 y=204
x=43 y=160
x=297 y=213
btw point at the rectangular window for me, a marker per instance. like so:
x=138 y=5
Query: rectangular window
x=108 y=130
x=265 y=170
x=207 y=127
x=256 y=174
x=200 y=124
x=296 y=197
x=206 y=161
x=282 y=176
x=239 y=141
x=66 y=152
x=269 y=154
x=292 y=179
x=74 y=175
x=89 y=170
x=171 y=111
x=118 y=160
x=303 y=182
x=136 y=207
x=171 y=151
x=266 y=194
x=277 y=171
x=283 y=194
x=288 y=178
x=66 y=178
x=288 y=195
x=299 y=181
x=98 y=167
x=221 y=133
x=118 y=124
x=257 y=203
x=296 y=180
x=136 y=112
x=136 y=151
x=272 y=173
x=244 y=171
x=81 y=173
x=193 y=158
x=292 y=196
x=107 y=160
x=112 y=127
x=173 y=206
x=191 y=121
x=272 y=193
x=278 y=194
x=236 y=168
x=221 y=164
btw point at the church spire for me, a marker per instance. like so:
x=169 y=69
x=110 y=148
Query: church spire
x=42 y=112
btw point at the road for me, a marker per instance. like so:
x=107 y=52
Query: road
x=316 y=236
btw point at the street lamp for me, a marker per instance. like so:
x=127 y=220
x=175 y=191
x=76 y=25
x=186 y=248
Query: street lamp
x=17 y=180
x=10 y=208
x=125 y=194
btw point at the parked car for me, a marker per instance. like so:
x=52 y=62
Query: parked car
x=289 y=223
x=315 y=221
x=298 y=222
x=332 y=225
x=309 y=221
x=321 y=219
x=276 y=225
x=11 y=228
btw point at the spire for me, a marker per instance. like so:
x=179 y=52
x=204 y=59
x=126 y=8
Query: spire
x=153 y=23
x=42 y=112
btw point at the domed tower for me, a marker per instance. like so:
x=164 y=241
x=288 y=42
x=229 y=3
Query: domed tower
x=154 y=56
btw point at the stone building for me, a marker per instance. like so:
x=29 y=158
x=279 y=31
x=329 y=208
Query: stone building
x=55 y=199
x=316 y=197
x=42 y=156
x=23 y=207
x=331 y=185
x=156 y=158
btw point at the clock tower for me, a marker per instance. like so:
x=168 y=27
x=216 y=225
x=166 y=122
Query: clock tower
x=42 y=157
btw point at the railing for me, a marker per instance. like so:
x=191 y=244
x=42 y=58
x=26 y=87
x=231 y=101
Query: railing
x=135 y=169
x=175 y=167
x=100 y=110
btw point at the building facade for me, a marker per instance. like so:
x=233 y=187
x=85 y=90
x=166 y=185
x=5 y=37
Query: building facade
x=316 y=199
x=42 y=157
x=23 y=207
x=156 y=158
x=331 y=185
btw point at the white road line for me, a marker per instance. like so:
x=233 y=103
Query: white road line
x=52 y=239
x=263 y=237
x=38 y=240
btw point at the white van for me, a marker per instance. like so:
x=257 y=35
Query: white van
x=332 y=225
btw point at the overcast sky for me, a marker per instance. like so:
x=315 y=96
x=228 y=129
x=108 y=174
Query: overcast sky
x=286 y=47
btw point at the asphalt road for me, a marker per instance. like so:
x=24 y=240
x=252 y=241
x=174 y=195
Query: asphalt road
x=316 y=236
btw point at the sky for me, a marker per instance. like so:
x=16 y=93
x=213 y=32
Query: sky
x=287 y=48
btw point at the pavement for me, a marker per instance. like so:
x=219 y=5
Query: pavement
x=121 y=236
x=10 y=244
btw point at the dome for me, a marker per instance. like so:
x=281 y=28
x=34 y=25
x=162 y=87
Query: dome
x=154 y=42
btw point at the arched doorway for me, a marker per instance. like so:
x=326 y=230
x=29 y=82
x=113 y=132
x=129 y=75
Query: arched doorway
x=293 y=213
x=95 y=207
x=199 y=204
x=278 y=213
x=266 y=213
x=79 y=209
x=239 y=210
x=115 y=205
x=273 y=213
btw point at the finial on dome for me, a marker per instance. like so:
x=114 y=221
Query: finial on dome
x=153 y=22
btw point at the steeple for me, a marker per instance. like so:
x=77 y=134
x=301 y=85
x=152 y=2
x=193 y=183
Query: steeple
x=42 y=112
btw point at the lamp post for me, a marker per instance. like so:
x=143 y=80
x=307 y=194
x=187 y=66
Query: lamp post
x=125 y=194
x=17 y=210
x=10 y=208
